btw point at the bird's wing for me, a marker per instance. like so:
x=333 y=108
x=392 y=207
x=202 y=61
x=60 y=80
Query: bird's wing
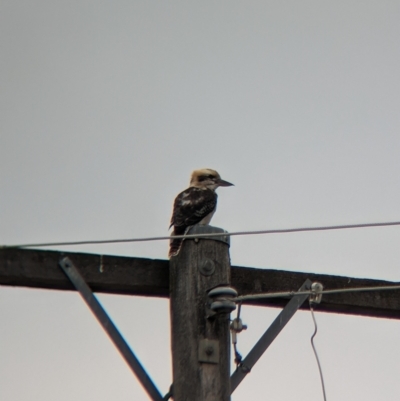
x=192 y=205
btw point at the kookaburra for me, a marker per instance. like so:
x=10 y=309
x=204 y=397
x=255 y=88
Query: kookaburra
x=195 y=205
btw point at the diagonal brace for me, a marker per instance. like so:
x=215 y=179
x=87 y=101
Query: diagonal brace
x=79 y=283
x=269 y=336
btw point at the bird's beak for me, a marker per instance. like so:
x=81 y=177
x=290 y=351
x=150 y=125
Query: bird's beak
x=223 y=183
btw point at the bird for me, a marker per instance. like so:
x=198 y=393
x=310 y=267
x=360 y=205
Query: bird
x=195 y=205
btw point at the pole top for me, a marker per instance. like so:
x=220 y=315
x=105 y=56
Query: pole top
x=207 y=229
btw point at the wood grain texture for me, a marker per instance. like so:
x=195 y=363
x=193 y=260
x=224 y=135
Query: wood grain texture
x=384 y=304
x=194 y=380
x=103 y=273
x=148 y=277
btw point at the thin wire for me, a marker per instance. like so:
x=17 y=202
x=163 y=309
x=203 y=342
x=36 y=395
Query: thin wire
x=309 y=292
x=315 y=351
x=238 y=356
x=206 y=235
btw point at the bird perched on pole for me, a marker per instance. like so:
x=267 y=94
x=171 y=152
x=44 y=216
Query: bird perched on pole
x=195 y=205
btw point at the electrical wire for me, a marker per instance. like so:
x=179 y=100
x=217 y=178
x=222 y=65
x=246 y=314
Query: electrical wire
x=315 y=351
x=245 y=297
x=205 y=235
x=286 y=294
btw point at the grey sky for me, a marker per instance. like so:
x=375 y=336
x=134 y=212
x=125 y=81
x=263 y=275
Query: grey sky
x=106 y=108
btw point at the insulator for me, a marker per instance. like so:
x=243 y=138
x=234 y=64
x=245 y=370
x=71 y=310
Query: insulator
x=222 y=299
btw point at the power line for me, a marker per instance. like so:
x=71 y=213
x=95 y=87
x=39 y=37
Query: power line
x=286 y=294
x=206 y=235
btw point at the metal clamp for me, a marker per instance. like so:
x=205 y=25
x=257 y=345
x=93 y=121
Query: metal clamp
x=237 y=327
x=316 y=293
x=207 y=229
x=209 y=351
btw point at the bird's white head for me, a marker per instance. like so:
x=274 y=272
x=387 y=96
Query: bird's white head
x=207 y=178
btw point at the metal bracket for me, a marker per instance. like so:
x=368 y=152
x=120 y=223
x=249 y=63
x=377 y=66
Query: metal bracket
x=79 y=283
x=269 y=336
x=209 y=351
x=207 y=229
x=316 y=293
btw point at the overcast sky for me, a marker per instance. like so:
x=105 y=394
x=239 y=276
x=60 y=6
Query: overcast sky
x=107 y=107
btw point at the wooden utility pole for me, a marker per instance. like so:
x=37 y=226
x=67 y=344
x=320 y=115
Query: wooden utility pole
x=200 y=342
x=200 y=338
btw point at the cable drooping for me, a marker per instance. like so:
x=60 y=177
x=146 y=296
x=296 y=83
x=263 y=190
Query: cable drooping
x=315 y=351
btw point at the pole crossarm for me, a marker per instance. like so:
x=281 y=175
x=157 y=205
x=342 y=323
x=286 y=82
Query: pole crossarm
x=103 y=273
x=148 y=277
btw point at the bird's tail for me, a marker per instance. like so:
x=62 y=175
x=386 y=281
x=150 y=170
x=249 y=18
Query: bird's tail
x=175 y=244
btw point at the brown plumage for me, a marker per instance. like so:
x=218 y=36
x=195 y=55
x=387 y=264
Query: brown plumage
x=195 y=205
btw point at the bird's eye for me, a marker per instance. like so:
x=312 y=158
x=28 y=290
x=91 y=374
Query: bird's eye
x=211 y=176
